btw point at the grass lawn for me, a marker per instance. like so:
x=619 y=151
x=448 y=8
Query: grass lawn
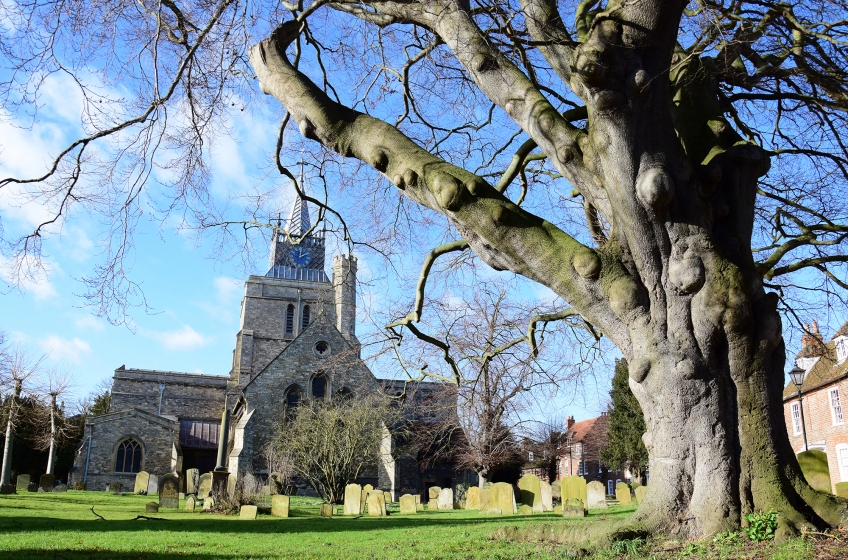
x=63 y=526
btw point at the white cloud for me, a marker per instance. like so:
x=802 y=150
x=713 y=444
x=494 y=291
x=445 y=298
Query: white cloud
x=227 y=289
x=89 y=322
x=185 y=338
x=30 y=278
x=65 y=350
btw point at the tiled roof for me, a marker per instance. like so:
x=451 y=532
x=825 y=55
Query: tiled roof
x=594 y=431
x=843 y=331
x=825 y=371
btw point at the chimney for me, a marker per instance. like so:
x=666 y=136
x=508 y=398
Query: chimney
x=811 y=336
x=569 y=422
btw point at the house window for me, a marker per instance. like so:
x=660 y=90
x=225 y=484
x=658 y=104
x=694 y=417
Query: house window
x=530 y=456
x=610 y=489
x=305 y=321
x=841 y=348
x=835 y=407
x=289 y=320
x=129 y=457
x=842 y=460
x=796 y=418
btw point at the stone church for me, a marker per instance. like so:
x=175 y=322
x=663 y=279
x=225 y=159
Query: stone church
x=296 y=341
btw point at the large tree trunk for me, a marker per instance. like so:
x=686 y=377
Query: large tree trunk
x=51 y=458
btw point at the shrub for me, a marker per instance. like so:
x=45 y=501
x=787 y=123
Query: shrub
x=761 y=525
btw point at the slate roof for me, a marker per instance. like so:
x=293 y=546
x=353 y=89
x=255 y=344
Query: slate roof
x=824 y=372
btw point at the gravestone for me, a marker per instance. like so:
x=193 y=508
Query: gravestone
x=407 y=504
x=169 y=491
x=275 y=483
x=61 y=488
x=191 y=503
x=472 y=498
x=573 y=507
x=556 y=489
x=622 y=493
x=142 y=479
x=46 y=482
x=115 y=488
x=8 y=489
x=446 y=498
x=484 y=498
x=813 y=464
x=547 y=496
x=525 y=510
x=367 y=489
x=192 y=481
x=151 y=507
x=596 y=495
x=376 y=504
x=558 y=510
x=842 y=489
x=153 y=485
x=501 y=498
x=204 y=486
x=531 y=492
x=640 y=494
x=433 y=505
x=208 y=503
x=575 y=487
x=419 y=507
x=362 y=499
x=280 y=505
x=22 y=482
x=388 y=497
x=79 y=485
x=248 y=512
x=33 y=487
x=326 y=510
x=353 y=500
x=433 y=492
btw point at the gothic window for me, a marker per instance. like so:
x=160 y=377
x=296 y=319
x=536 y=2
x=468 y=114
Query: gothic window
x=305 y=321
x=129 y=457
x=290 y=319
x=319 y=386
x=293 y=397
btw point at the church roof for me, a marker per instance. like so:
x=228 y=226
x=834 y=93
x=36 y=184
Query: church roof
x=298 y=222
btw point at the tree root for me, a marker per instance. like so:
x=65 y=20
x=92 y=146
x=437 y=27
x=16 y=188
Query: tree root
x=595 y=535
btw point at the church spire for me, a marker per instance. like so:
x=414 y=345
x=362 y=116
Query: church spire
x=299 y=222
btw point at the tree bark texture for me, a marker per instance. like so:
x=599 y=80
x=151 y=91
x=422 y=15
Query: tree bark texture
x=675 y=286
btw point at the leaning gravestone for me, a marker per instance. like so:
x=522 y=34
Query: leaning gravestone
x=388 y=497
x=640 y=494
x=547 y=496
x=446 y=498
x=596 y=495
x=573 y=507
x=280 y=505
x=205 y=485
x=407 y=504
x=472 y=498
x=248 y=512
x=169 y=491
x=153 y=485
x=191 y=503
x=556 y=489
x=376 y=504
x=142 y=479
x=61 y=488
x=151 y=507
x=575 y=487
x=622 y=493
x=813 y=464
x=326 y=510
x=46 y=482
x=192 y=481
x=23 y=482
x=531 y=492
x=353 y=500
x=501 y=498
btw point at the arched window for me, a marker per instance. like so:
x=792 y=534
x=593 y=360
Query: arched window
x=319 y=386
x=293 y=397
x=129 y=457
x=305 y=321
x=290 y=320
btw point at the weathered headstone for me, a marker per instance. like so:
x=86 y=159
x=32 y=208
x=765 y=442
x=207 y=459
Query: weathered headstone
x=575 y=487
x=501 y=498
x=326 y=510
x=484 y=498
x=192 y=481
x=33 y=487
x=419 y=507
x=376 y=504
x=558 y=510
x=153 y=485
x=407 y=504
x=814 y=465
x=525 y=510
x=47 y=481
x=472 y=498
x=556 y=489
x=61 y=488
x=208 y=503
x=151 y=507
x=205 y=485
x=141 y=481
x=596 y=495
x=367 y=489
x=622 y=493
x=531 y=492
x=388 y=497
x=433 y=492
x=115 y=488
x=169 y=491
x=642 y=490
x=353 y=500
x=573 y=507
x=446 y=498
x=547 y=496
x=79 y=485
x=191 y=503
x=280 y=505
x=248 y=512
x=22 y=482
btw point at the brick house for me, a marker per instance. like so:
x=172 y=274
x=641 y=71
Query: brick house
x=824 y=391
x=578 y=453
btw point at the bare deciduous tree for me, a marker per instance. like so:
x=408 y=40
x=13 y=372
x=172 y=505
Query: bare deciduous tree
x=52 y=425
x=20 y=378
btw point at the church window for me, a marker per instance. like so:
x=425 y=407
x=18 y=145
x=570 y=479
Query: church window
x=129 y=457
x=319 y=386
x=322 y=348
x=305 y=322
x=293 y=397
x=290 y=319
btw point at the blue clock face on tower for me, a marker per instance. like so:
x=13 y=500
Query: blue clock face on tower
x=300 y=256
